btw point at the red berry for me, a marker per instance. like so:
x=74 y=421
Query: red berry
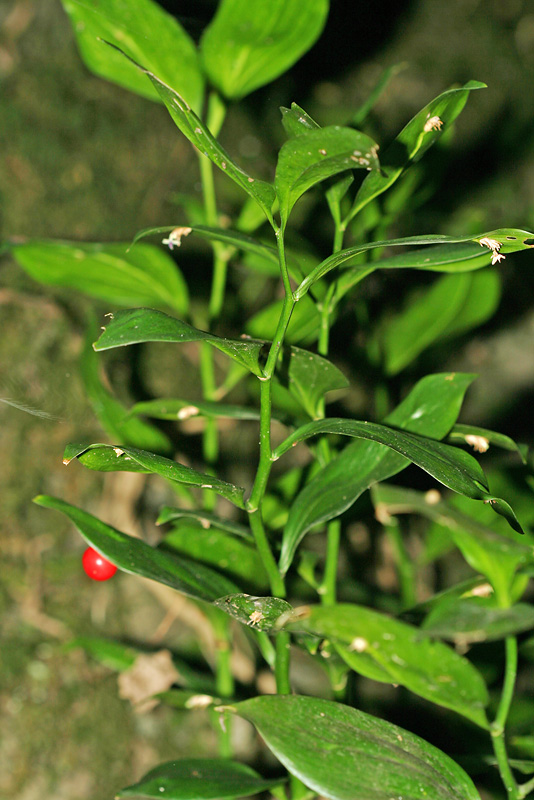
x=96 y=566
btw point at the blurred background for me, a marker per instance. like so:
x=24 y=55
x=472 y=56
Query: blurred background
x=85 y=160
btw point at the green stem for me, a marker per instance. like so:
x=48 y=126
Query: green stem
x=224 y=679
x=276 y=581
x=499 y=724
x=526 y=788
x=281 y=670
x=404 y=564
x=328 y=587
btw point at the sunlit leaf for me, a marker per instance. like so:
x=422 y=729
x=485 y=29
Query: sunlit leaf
x=247 y=45
x=343 y=754
x=138 y=558
x=147 y=32
x=110 y=458
x=296 y=121
x=147 y=325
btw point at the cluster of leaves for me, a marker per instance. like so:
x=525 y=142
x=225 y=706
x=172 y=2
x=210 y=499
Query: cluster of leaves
x=211 y=553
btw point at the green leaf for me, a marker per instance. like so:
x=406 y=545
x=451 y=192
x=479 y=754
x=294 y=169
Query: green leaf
x=146 y=32
x=481 y=438
x=296 y=121
x=199 y=135
x=218 y=549
x=138 y=558
x=199 y=779
x=362 y=113
x=473 y=620
x=443 y=259
x=170 y=514
x=343 y=753
x=113 y=416
x=260 y=613
x=186 y=700
x=147 y=325
x=497 y=555
x=480 y=304
x=172 y=408
x=430 y=409
x=447 y=464
x=308 y=159
x=370 y=639
x=111 y=654
x=403 y=337
x=413 y=141
x=304 y=324
x=248 y=45
x=309 y=377
x=109 y=458
x=107 y=271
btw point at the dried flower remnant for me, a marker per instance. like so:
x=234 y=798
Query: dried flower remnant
x=433 y=124
x=175 y=237
x=479 y=443
x=495 y=247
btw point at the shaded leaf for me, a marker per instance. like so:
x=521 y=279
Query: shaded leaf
x=147 y=325
x=138 y=558
x=481 y=438
x=113 y=416
x=304 y=324
x=218 y=549
x=343 y=753
x=413 y=141
x=308 y=159
x=247 y=45
x=148 y=33
x=107 y=271
x=466 y=621
x=199 y=135
x=170 y=514
x=430 y=409
x=309 y=377
x=260 y=613
x=386 y=649
x=171 y=408
x=481 y=302
x=446 y=259
x=110 y=653
x=187 y=700
x=199 y=779
x=362 y=113
x=110 y=458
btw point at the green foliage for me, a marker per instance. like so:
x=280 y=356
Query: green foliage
x=316 y=331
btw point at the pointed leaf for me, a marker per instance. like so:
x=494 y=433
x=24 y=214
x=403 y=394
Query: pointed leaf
x=430 y=409
x=481 y=438
x=148 y=33
x=343 y=754
x=309 y=377
x=172 y=408
x=473 y=620
x=296 y=121
x=107 y=271
x=199 y=779
x=148 y=325
x=446 y=259
x=170 y=514
x=199 y=135
x=368 y=638
x=413 y=141
x=247 y=45
x=260 y=613
x=362 y=113
x=138 y=558
x=308 y=159
x=480 y=304
x=110 y=458
x=113 y=416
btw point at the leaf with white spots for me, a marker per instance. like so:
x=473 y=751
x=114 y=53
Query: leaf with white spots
x=343 y=754
x=385 y=649
x=260 y=613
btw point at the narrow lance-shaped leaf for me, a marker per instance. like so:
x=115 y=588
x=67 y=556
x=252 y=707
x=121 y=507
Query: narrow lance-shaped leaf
x=147 y=325
x=385 y=649
x=308 y=159
x=199 y=135
x=413 y=141
x=107 y=271
x=110 y=458
x=296 y=121
x=147 y=32
x=309 y=377
x=138 y=558
x=509 y=240
x=473 y=620
x=247 y=45
x=343 y=753
x=172 y=408
x=362 y=113
x=170 y=514
x=199 y=779
x=430 y=409
x=480 y=440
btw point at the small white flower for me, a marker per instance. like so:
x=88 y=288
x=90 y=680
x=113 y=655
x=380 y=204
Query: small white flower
x=479 y=443
x=433 y=124
x=496 y=257
x=255 y=617
x=493 y=244
x=175 y=237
